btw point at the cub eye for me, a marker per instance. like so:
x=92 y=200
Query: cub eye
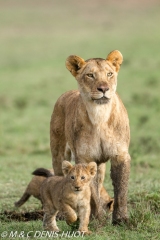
x=83 y=177
x=90 y=75
x=72 y=177
x=109 y=74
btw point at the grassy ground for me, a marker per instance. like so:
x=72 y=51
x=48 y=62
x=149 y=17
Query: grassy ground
x=36 y=38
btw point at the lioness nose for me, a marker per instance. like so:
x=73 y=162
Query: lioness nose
x=103 y=89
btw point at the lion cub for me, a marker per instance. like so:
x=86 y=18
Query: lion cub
x=33 y=189
x=70 y=195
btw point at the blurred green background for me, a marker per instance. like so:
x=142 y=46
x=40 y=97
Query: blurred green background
x=35 y=39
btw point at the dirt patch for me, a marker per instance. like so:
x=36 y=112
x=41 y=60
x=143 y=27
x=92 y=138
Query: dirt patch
x=21 y=216
x=24 y=216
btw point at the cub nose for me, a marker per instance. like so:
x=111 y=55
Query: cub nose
x=103 y=88
x=77 y=188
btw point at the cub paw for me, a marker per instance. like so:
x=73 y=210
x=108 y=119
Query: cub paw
x=51 y=228
x=85 y=232
x=71 y=219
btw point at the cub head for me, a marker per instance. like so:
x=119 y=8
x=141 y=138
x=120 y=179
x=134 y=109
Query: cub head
x=96 y=77
x=79 y=176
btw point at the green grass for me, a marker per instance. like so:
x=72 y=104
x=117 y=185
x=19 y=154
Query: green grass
x=36 y=38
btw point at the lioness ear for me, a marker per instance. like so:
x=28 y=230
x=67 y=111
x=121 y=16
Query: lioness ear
x=74 y=63
x=66 y=167
x=92 y=166
x=115 y=58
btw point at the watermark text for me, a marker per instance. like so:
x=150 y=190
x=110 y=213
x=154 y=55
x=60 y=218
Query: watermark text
x=40 y=234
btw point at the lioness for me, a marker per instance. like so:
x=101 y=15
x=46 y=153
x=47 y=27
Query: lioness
x=91 y=124
x=70 y=195
x=33 y=189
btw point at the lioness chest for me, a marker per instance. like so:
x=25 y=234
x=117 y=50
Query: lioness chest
x=88 y=135
x=96 y=145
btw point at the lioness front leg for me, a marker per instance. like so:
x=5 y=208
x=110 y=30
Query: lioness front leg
x=96 y=186
x=57 y=140
x=101 y=170
x=120 y=169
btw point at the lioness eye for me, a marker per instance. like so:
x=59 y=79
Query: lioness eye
x=72 y=177
x=83 y=177
x=90 y=75
x=109 y=74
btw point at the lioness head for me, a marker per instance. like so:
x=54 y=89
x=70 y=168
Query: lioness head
x=80 y=175
x=97 y=77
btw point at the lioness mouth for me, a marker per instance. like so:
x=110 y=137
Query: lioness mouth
x=102 y=100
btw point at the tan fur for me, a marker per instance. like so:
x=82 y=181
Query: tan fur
x=106 y=202
x=70 y=195
x=91 y=124
x=33 y=189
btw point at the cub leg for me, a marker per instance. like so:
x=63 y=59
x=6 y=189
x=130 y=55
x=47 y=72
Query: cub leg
x=23 y=199
x=84 y=214
x=49 y=219
x=120 y=169
x=70 y=214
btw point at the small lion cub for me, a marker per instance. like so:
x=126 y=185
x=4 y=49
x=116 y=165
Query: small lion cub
x=70 y=195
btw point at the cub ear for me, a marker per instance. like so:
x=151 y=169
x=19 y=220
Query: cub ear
x=66 y=167
x=110 y=205
x=92 y=167
x=115 y=58
x=74 y=63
